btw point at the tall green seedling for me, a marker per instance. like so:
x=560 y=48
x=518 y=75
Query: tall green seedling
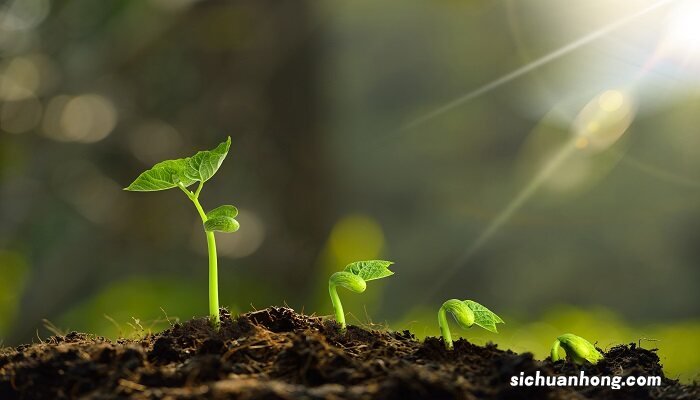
x=183 y=173
x=354 y=278
x=467 y=313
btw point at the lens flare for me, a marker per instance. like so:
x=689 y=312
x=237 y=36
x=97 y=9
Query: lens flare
x=683 y=31
x=603 y=121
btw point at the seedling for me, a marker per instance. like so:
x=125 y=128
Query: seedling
x=466 y=313
x=183 y=173
x=578 y=349
x=354 y=278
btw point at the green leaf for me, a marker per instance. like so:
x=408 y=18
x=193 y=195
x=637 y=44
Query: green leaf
x=484 y=317
x=203 y=165
x=371 y=269
x=461 y=312
x=578 y=349
x=162 y=176
x=221 y=224
x=349 y=281
x=167 y=174
x=223 y=211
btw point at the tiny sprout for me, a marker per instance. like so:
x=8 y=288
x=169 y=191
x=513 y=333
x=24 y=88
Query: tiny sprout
x=354 y=278
x=466 y=313
x=578 y=349
x=182 y=173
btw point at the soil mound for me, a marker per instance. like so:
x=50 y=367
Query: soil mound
x=276 y=353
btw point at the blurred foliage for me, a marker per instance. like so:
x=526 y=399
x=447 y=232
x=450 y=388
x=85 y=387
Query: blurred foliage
x=13 y=273
x=122 y=303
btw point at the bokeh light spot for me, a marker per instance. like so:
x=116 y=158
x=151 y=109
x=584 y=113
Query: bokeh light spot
x=611 y=100
x=581 y=143
x=604 y=120
x=23 y=14
x=243 y=244
x=19 y=79
x=356 y=236
x=86 y=118
x=153 y=141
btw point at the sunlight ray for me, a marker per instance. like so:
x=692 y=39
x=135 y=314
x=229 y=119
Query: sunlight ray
x=566 y=49
x=511 y=208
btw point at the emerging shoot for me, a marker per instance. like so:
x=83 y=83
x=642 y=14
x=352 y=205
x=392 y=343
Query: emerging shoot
x=354 y=278
x=466 y=313
x=183 y=173
x=578 y=349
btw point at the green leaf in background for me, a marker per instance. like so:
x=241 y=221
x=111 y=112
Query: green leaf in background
x=203 y=165
x=223 y=211
x=162 y=176
x=371 y=269
x=484 y=317
x=221 y=224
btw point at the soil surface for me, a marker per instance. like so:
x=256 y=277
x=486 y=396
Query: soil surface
x=278 y=354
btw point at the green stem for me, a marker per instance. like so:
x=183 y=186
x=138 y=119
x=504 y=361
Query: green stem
x=337 y=306
x=555 y=350
x=213 y=268
x=444 y=328
x=213 y=281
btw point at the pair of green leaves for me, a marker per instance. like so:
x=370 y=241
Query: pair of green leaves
x=186 y=171
x=468 y=313
x=221 y=219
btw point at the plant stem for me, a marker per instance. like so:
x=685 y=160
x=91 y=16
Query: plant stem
x=337 y=306
x=213 y=281
x=213 y=268
x=555 y=351
x=444 y=328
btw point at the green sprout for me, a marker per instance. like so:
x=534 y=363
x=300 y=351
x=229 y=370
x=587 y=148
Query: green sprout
x=578 y=349
x=354 y=278
x=466 y=313
x=185 y=172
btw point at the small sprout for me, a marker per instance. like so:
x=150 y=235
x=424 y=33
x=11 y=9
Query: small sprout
x=354 y=278
x=578 y=349
x=466 y=313
x=182 y=173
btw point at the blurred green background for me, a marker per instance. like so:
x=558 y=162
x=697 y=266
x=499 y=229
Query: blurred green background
x=538 y=156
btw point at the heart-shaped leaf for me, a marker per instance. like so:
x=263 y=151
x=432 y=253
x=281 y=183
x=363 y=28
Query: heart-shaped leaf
x=164 y=175
x=203 y=165
x=371 y=269
x=484 y=317
x=168 y=174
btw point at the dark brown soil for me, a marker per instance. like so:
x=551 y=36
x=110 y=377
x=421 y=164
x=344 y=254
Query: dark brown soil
x=278 y=354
